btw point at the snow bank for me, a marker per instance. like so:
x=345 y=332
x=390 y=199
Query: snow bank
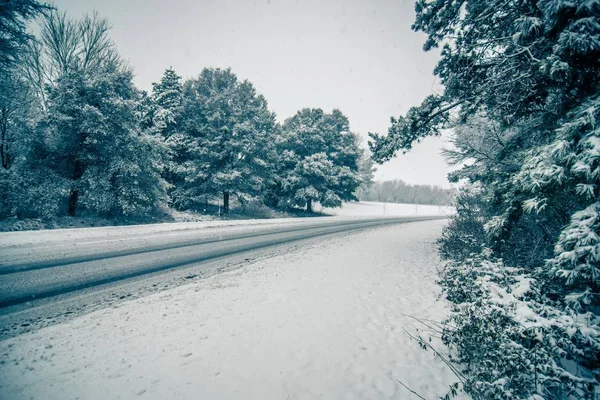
x=322 y=321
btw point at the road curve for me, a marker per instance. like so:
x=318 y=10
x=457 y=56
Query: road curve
x=48 y=271
x=43 y=270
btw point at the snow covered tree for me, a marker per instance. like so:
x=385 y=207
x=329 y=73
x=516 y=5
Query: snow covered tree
x=167 y=99
x=227 y=144
x=521 y=85
x=366 y=171
x=65 y=44
x=89 y=137
x=14 y=95
x=319 y=159
x=15 y=104
x=85 y=149
x=15 y=127
x=163 y=116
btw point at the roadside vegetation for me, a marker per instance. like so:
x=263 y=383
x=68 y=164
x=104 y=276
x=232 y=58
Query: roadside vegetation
x=521 y=92
x=80 y=140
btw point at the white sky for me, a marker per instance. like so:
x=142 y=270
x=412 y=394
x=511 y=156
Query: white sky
x=356 y=55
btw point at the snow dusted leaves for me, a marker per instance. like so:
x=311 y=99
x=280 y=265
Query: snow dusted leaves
x=577 y=258
x=571 y=162
x=510 y=340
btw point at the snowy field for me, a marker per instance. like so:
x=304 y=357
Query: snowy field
x=374 y=209
x=323 y=321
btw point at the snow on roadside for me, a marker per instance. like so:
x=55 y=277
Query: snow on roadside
x=324 y=321
x=110 y=233
x=49 y=236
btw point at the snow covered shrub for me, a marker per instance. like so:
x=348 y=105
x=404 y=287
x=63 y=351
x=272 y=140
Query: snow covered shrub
x=578 y=257
x=570 y=162
x=512 y=342
x=31 y=192
x=464 y=235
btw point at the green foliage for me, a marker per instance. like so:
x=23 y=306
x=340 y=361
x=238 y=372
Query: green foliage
x=31 y=191
x=511 y=341
x=511 y=59
x=167 y=93
x=79 y=139
x=70 y=113
x=465 y=236
x=161 y=118
x=165 y=107
x=89 y=137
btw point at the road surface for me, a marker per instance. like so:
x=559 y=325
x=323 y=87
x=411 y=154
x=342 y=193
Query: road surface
x=47 y=277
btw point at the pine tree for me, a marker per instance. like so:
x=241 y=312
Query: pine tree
x=89 y=138
x=167 y=100
x=227 y=143
x=164 y=120
x=13 y=29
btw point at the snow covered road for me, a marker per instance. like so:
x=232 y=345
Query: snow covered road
x=49 y=267
x=323 y=320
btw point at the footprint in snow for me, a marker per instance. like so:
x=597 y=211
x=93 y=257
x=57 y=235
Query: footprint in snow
x=186 y=355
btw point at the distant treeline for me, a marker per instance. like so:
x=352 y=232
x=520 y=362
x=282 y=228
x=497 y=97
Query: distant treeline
x=398 y=191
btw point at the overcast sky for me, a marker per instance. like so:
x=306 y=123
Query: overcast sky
x=356 y=55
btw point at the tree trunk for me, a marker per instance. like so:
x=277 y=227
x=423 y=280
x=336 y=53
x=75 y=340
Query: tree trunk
x=4 y=138
x=72 y=207
x=225 y=202
x=74 y=195
x=309 y=205
x=514 y=215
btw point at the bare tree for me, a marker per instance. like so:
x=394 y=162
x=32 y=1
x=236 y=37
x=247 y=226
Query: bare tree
x=67 y=44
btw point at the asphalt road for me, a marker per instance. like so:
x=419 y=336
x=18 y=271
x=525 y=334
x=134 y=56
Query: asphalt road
x=42 y=282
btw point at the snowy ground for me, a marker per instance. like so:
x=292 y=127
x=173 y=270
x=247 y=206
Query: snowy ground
x=373 y=209
x=323 y=321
